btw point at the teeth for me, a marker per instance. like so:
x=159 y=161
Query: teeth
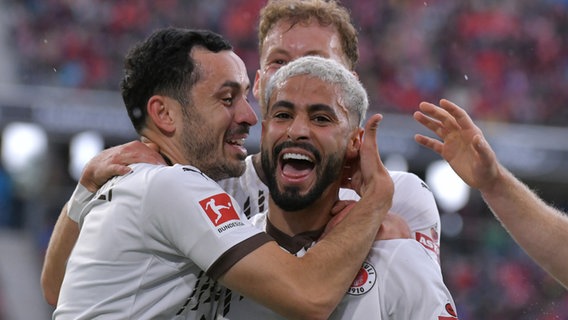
x=239 y=142
x=295 y=156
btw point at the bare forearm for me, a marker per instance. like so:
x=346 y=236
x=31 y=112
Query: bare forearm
x=540 y=229
x=63 y=238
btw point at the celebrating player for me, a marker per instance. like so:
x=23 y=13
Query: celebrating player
x=149 y=245
x=311 y=130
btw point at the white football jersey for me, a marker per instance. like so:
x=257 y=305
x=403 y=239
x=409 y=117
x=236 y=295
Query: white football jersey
x=412 y=200
x=151 y=245
x=398 y=280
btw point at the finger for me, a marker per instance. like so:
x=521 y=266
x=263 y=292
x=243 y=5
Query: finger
x=460 y=115
x=369 y=145
x=446 y=121
x=433 y=144
x=430 y=123
x=370 y=134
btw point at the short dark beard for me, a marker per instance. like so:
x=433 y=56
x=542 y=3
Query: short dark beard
x=201 y=149
x=291 y=199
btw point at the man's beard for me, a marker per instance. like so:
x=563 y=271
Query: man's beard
x=199 y=144
x=290 y=198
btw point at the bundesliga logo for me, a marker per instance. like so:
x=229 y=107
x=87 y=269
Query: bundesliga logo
x=364 y=281
x=219 y=210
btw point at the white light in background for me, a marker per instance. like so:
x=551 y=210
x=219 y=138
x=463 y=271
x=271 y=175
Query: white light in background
x=396 y=162
x=82 y=148
x=448 y=188
x=22 y=143
x=451 y=194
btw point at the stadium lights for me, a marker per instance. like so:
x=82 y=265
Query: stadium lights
x=82 y=148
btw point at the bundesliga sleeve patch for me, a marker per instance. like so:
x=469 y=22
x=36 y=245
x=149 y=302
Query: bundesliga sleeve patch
x=219 y=209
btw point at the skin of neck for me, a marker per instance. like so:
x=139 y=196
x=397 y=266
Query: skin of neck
x=167 y=145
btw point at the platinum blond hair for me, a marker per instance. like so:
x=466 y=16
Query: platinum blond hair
x=351 y=91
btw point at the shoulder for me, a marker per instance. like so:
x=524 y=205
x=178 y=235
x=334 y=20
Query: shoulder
x=414 y=201
x=176 y=174
x=407 y=180
x=246 y=183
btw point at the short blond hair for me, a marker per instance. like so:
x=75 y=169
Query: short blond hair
x=301 y=11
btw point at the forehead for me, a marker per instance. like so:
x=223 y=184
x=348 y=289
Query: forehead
x=304 y=38
x=220 y=67
x=304 y=91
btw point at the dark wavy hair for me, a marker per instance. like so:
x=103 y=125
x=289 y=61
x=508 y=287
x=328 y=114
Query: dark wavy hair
x=162 y=64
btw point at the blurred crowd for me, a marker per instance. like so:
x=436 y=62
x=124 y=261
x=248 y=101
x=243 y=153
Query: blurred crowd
x=501 y=60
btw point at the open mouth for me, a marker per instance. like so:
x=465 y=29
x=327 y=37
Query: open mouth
x=295 y=165
x=236 y=142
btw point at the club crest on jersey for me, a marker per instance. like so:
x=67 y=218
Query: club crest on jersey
x=220 y=210
x=364 y=281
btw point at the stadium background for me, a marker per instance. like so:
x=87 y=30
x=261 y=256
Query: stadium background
x=506 y=62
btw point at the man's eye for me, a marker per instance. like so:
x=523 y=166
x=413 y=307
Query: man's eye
x=277 y=63
x=322 y=119
x=228 y=100
x=282 y=115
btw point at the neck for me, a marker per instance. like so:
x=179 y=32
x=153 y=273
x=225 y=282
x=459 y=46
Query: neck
x=168 y=148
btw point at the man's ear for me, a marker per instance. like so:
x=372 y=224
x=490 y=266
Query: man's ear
x=162 y=113
x=354 y=143
x=256 y=86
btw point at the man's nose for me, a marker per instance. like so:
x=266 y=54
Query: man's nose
x=299 y=128
x=245 y=113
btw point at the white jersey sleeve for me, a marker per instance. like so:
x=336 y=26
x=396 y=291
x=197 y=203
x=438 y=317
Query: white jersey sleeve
x=79 y=199
x=201 y=224
x=147 y=244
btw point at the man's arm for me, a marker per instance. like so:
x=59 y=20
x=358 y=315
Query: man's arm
x=98 y=171
x=62 y=241
x=313 y=285
x=540 y=229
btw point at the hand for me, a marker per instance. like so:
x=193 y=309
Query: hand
x=114 y=162
x=463 y=145
x=367 y=174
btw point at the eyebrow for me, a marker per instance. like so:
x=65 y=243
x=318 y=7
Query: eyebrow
x=313 y=52
x=311 y=108
x=234 y=85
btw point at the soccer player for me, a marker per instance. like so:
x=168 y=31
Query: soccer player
x=154 y=242
x=310 y=131
x=288 y=29
x=540 y=229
